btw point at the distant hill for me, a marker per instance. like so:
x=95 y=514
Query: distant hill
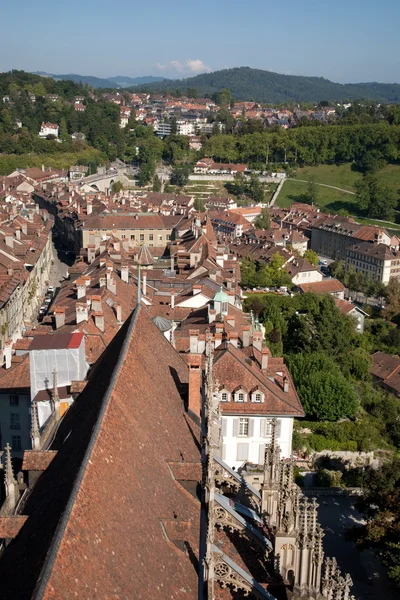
x=123 y=81
x=120 y=81
x=95 y=82
x=265 y=86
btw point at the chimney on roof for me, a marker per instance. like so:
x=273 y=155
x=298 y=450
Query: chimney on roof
x=102 y=281
x=246 y=336
x=102 y=261
x=218 y=339
x=264 y=359
x=194 y=340
x=118 y=311
x=286 y=385
x=7 y=355
x=43 y=168
x=80 y=290
x=59 y=317
x=172 y=267
x=211 y=314
x=82 y=312
x=24 y=227
x=89 y=207
x=97 y=304
x=10 y=241
x=91 y=253
x=117 y=246
x=257 y=340
x=125 y=273
x=18 y=233
x=111 y=285
x=194 y=403
x=172 y=299
x=201 y=347
x=233 y=338
x=99 y=320
x=230 y=320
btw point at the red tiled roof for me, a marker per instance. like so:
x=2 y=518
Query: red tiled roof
x=10 y=526
x=57 y=341
x=110 y=486
x=37 y=460
x=327 y=286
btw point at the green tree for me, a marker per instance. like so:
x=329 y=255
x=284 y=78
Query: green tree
x=263 y=221
x=146 y=173
x=180 y=176
x=311 y=256
x=312 y=190
x=255 y=189
x=192 y=93
x=116 y=187
x=376 y=199
x=324 y=391
x=380 y=506
x=156 y=184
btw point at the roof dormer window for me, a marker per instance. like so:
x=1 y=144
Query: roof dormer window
x=240 y=396
x=224 y=396
x=257 y=397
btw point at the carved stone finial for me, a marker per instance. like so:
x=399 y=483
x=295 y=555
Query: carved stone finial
x=54 y=393
x=9 y=478
x=35 y=430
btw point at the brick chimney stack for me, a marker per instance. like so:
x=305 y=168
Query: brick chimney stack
x=257 y=340
x=246 y=336
x=194 y=404
x=264 y=359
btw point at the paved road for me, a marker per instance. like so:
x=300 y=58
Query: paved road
x=336 y=514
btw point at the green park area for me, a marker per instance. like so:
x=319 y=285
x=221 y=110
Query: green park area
x=344 y=177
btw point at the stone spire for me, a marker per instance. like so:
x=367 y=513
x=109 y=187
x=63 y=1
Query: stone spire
x=10 y=483
x=54 y=392
x=35 y=430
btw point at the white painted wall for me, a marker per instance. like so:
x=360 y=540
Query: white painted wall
x=196 y=301
x=307 y=277
x=255 y=440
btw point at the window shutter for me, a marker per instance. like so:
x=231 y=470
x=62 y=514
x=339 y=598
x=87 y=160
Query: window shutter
x=223 y=451
x=251 y=428
x=242 y=451
x=262 y=427
x=261 y=454
x=235 y=427
x=278 y=427
x=224 y=426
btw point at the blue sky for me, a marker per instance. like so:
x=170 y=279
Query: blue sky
x=343 y=40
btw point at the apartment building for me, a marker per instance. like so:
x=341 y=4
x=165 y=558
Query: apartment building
x=152 y=229
x=376 y=261
x=332 y=236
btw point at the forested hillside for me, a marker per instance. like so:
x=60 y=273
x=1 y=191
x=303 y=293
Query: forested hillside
x=264 y=86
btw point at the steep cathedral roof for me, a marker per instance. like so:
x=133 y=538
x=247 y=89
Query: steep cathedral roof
x=108 y=518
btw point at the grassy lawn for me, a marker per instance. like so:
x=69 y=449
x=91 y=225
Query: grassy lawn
x=346 y=177
x=341 y=176
x=328 y=200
